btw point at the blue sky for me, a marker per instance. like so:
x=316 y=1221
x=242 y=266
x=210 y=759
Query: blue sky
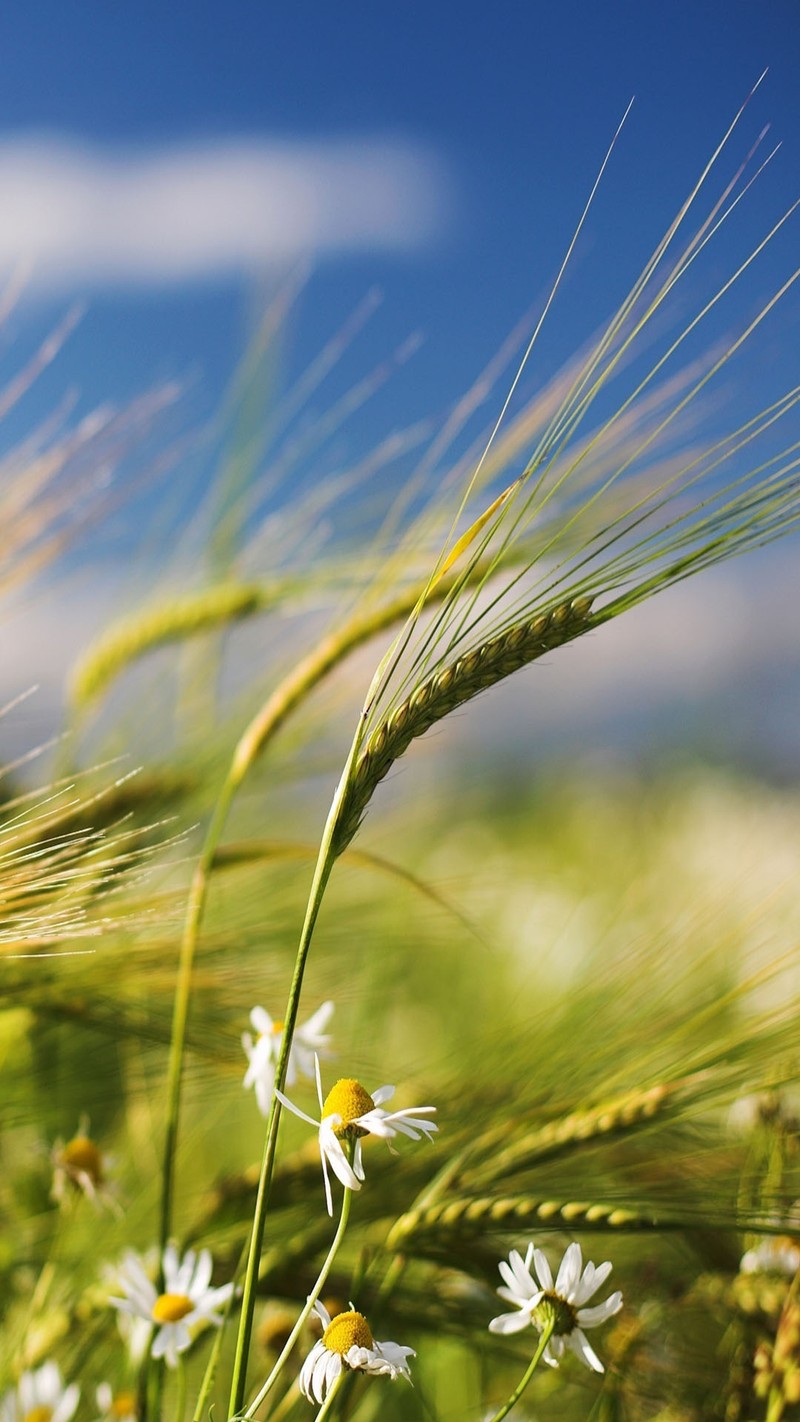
x=516 y=102
x=473 y=133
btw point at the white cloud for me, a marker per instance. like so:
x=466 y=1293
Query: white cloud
x=72 y=214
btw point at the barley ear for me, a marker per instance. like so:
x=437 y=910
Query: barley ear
x=448 y=688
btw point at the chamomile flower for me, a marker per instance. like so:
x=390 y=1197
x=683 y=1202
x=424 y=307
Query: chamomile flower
x=264 y=1051
x=779 y=1255
x=79 y=1166
x=347 y=1342
x=186 y=1305
x=347 y=1113
x=115 y=1406
x=538 y=1300
x=41 y=1396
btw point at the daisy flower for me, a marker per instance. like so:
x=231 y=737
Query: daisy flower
x=347 y=1113
x=347 y=1342
x=115 y=1407
x=264 y=1051
x=185 y=1306
x=79 y=1165
x=40 y=1395
x=780 y=1255
x=538 y=1300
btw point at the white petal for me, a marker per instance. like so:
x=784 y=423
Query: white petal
x=318 y=1375
x=104 y=1396
x=591 y=1317
x=202 y=1276
x=332 y=1371
x=284 y=1100
x=340 y=1165
x=511 y=1296
x=591 y=1281
x=316 y=1023
x=171 y=1267
x=318 y=1079
x=526 y=1286
x=383 y=1093
x=326 y=1178
x=262 y=1021
x=216 y=1298
x=183 y=1278
x=506 y=1273
x=543 y=1271
x=161 y=1342
x=358 y=1163
x=510 y=1322
x=67 y=1405
x=307 y=1370
x=265 y=1090
x=322 y=1313
x=569 y=1272
x=580 y=1347
x=394 y=1358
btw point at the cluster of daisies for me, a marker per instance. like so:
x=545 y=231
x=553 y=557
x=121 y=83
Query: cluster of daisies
x=165 y=1317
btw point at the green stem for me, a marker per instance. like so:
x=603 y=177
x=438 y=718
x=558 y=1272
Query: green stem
x=331 y=1398
x=291 y=692
x=213 y=1360
x=309 y=1304
x=544 y=1339
x=180 y=1405
x=775 y=1405
x=180 y=1012
x=322 y=872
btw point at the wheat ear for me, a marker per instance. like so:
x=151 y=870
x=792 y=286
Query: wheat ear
x=449 y=688
x=609 y=1119
x=471 y=1215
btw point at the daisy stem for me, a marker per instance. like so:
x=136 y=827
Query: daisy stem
x=309 y=1304
x=331 y=1398
x=544 y=1339
x=180 y=1404
x=322 y=872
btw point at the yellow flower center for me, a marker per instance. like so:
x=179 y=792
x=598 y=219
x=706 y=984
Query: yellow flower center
x=42 y=1413
x=81 y=1156
x=346 y=1330
x=124 y=1405
x=171 y=1308
x=349 y=1100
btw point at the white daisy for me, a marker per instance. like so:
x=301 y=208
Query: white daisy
x=347 y=1342
x=40 y=1395
x=347 y=1113
x=186 y=1305
x=115 y=1407
x=538 y=1300
x=780 y=1255
x=263 y=1053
